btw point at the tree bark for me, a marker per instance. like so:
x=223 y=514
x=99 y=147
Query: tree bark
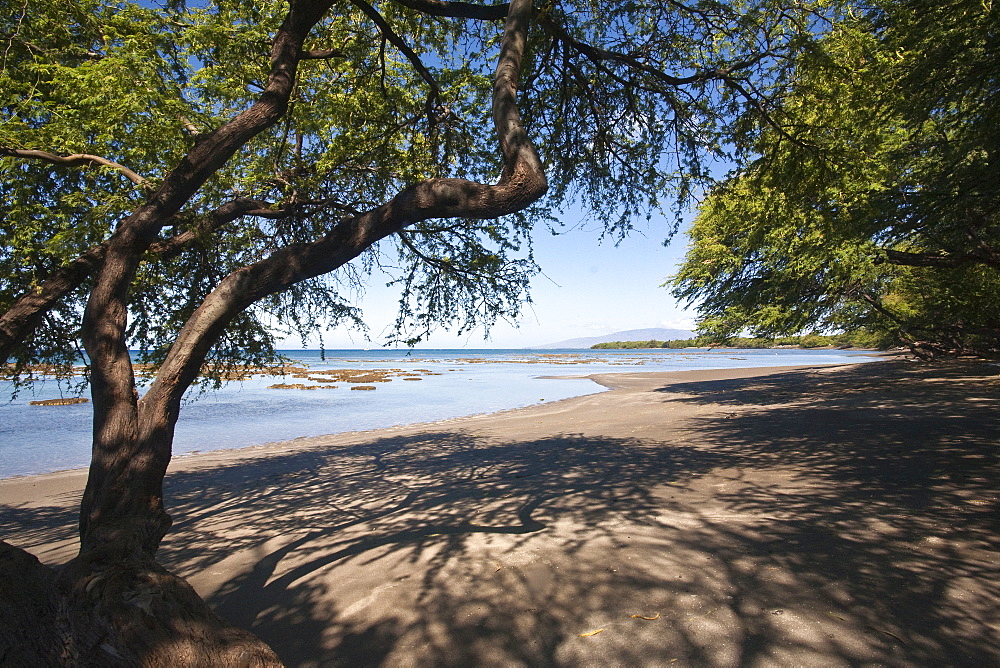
x=114 y=613
x=122 y=503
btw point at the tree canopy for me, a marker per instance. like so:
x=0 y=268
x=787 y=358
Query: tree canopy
x=104 y=100
x=875 y=206
x=185 y=177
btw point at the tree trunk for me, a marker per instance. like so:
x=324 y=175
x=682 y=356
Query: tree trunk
x=113 y=605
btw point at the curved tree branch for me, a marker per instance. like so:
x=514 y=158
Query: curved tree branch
x=77 y=160
x=29 y=309
x=521 y=183
x=122 y=503
x=598 y=55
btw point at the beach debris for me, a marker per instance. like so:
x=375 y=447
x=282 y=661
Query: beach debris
x=714 y=610
x=59 y=402
x=591 y=633
x=654 y=617
x=869 y=626
x=891 y=635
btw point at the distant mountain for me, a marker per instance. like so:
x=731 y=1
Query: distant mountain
x=653 y=334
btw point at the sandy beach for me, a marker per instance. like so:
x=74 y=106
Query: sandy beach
x=795 y=516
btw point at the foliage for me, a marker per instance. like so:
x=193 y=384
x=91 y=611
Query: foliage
x=624 y=102
x=875 y=206
x=852 y=340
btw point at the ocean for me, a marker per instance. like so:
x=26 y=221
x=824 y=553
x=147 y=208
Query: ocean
x=442 y=384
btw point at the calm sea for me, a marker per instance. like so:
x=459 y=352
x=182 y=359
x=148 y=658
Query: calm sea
x=452 y=383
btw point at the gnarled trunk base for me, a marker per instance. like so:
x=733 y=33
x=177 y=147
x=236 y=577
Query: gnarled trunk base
x=112 y=610
x=28 y=611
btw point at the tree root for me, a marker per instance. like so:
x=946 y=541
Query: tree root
x=113 y=610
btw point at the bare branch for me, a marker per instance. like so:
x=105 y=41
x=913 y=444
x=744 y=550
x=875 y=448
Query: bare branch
x=726 y=76
x=76 y=160
x=437 y=263
x=397 y=41
x=13 y=35
x=30 y=308
x=597 y=55
x=457 y=10
x=226 y=213
x=321 y=54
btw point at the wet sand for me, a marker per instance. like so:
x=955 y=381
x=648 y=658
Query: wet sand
x=813 y=516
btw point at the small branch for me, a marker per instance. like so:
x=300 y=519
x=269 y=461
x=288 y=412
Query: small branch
x=878 y=307
x=437 y=263
x=321 y=54
x=907 y=259
x=598 y=56
x=17 y=30
x=389 y=34
x=457 y=10
x=226 y=213
x=77 y=160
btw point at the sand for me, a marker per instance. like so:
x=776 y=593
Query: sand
x=814 y=516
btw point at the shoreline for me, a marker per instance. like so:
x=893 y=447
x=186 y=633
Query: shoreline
x=605 y=380
x=824 y=515
x=245 y=413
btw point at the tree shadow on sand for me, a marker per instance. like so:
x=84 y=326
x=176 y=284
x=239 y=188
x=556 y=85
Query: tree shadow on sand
x=817 y=518
x=890 y=504
x=454 y=512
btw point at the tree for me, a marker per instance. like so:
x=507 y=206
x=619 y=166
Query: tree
x=875 y=208
x=183 y=179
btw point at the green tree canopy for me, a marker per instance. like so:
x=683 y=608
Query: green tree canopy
x=183 y=177
x=103 y=100
x=875 y=204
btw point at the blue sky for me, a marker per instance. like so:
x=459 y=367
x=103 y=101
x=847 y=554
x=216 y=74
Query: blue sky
x=588 y=288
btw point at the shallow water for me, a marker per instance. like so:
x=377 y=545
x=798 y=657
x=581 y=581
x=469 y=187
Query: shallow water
x=41 y=439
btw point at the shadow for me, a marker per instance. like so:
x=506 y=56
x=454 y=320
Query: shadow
x=38 y=524
x=417 y=502
x=829 y=516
